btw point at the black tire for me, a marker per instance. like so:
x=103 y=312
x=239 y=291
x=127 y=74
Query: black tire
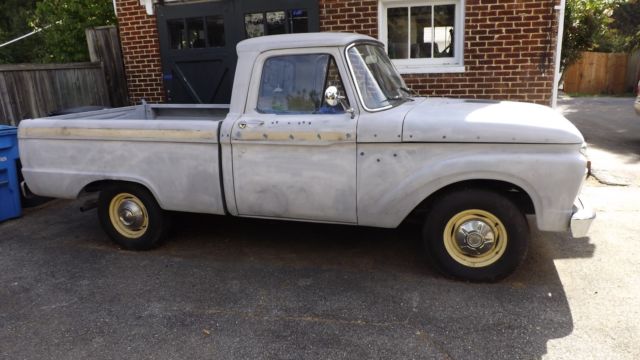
x=474 y=209
x=144 y=235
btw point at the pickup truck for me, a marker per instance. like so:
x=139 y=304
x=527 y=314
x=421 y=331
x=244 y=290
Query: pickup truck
x=322 y=128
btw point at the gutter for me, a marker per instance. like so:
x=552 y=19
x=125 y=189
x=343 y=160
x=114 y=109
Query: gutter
x=559 y=38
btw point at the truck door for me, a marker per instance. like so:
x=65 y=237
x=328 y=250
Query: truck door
x=294 y=156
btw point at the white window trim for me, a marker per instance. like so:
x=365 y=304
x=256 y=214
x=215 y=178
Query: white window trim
x=426 y=66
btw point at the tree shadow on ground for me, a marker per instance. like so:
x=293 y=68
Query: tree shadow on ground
x=511 y=319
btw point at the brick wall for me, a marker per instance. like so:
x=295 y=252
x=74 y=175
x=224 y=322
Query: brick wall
x=141 y=51
x=509 y=48
x=349 y=16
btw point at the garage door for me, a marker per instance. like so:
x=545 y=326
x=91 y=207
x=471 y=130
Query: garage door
x=198 y=40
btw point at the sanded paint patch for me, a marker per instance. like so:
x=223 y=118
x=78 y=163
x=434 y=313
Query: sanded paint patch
x=323 y=136
x=118 y=134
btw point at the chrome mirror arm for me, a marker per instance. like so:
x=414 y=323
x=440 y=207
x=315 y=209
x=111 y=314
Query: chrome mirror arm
x=332 y=98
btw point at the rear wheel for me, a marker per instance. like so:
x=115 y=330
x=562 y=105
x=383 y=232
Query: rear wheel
x=476 y=235
x=131 y=217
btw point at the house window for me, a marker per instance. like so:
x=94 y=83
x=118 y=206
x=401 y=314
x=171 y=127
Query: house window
x=196 y=32
x=423 y=36
x=276 y=22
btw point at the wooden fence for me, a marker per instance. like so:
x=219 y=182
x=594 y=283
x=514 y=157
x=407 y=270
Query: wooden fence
x=34 y=90
x=633 y=71
x=597 y=73
x=104 y=47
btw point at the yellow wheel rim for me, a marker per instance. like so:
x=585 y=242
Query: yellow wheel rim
x=475 y=238
x=128 y=215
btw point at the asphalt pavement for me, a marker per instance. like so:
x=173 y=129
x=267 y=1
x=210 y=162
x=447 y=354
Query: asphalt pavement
x=229 y=288
x=612 y=130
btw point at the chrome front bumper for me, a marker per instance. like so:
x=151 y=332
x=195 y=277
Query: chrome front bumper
x=581 y=219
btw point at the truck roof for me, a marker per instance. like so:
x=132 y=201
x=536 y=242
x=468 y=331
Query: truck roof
x=288 y=41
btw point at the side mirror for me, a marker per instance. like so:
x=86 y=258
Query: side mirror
x=332 y=98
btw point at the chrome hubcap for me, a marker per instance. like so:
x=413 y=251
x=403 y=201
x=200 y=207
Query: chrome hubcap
x=130 y=215
x=475 y=237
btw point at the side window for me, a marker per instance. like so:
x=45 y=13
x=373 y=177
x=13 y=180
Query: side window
x=295 y=84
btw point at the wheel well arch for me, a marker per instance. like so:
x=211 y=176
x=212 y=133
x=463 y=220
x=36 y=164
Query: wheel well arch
x=99 y=185
x=512 y=191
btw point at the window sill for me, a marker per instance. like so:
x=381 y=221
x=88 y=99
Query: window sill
x=429 y=69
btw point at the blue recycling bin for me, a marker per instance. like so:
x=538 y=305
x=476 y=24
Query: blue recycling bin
x=9 y=187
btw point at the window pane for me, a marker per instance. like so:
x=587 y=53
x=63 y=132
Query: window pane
x=215 y=31
x=298 y=21
x=445 y=19
x=421 y=32
x=195 y=33
x=378 y=82
x=292 y=84
x=275 y=23
x=176 y=33
x=397 y=33
x=254 y=24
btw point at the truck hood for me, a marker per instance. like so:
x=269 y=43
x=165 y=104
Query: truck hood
x=486 y=121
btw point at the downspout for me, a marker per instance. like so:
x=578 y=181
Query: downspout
x=148 y=5
x=115 y=10
x=556 y=77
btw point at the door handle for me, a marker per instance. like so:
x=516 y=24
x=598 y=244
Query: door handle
x=250 y=123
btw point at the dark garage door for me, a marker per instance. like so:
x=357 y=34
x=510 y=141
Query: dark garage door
x=198 y=41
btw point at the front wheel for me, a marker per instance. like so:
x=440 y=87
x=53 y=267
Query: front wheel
x=476 y=235
x=131 y=217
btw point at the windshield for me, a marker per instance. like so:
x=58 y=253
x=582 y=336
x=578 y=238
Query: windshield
x=379 y=84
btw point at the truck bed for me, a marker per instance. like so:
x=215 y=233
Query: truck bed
x=212 y=112
x=170 y=149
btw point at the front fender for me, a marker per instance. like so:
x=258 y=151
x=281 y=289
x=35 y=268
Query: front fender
x=393 y=180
